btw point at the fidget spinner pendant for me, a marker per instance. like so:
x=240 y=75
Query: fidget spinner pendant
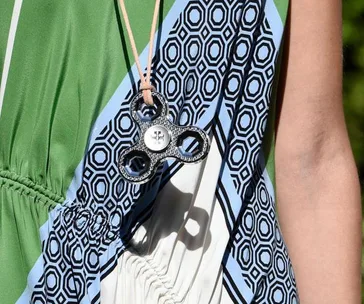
x=159 y=140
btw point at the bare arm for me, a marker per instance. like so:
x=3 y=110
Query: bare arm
x=318 y=192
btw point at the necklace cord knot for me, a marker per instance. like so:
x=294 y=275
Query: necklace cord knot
x=147 y=93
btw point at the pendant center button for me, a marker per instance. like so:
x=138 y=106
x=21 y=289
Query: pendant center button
x=157 y=138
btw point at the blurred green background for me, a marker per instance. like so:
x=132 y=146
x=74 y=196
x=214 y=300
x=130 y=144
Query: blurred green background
x=353 y=40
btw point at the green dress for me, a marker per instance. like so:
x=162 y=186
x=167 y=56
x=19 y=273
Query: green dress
x=67 y=219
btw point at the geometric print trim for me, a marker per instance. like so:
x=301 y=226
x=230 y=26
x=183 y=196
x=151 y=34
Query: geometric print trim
x=256 y=252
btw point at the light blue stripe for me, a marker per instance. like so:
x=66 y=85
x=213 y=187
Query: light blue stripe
x=275 y=22
x=92 y=291
x=277 y=28
x=266 y=177
x=238 y=279
x=234 y=198
x=224 y=116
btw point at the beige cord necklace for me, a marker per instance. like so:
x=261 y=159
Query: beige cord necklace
x=145 y=85
x=160 y=138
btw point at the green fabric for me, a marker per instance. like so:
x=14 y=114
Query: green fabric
x=282 y=6
x=24 y=207
x=68 y=59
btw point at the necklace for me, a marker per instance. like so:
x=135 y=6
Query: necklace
x=160 y=139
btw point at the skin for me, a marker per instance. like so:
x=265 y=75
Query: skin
x=318 y=191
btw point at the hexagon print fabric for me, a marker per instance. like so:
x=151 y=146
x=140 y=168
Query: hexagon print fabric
x=195 y=233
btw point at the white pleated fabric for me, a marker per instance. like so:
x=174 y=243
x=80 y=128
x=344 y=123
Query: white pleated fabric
x=176 y=255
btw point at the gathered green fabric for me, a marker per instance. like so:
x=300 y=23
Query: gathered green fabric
x=24 y=208
x=27 y=187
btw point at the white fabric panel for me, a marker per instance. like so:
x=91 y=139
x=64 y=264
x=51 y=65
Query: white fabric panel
x=176 y=255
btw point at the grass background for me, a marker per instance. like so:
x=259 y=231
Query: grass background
x=353 y=44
